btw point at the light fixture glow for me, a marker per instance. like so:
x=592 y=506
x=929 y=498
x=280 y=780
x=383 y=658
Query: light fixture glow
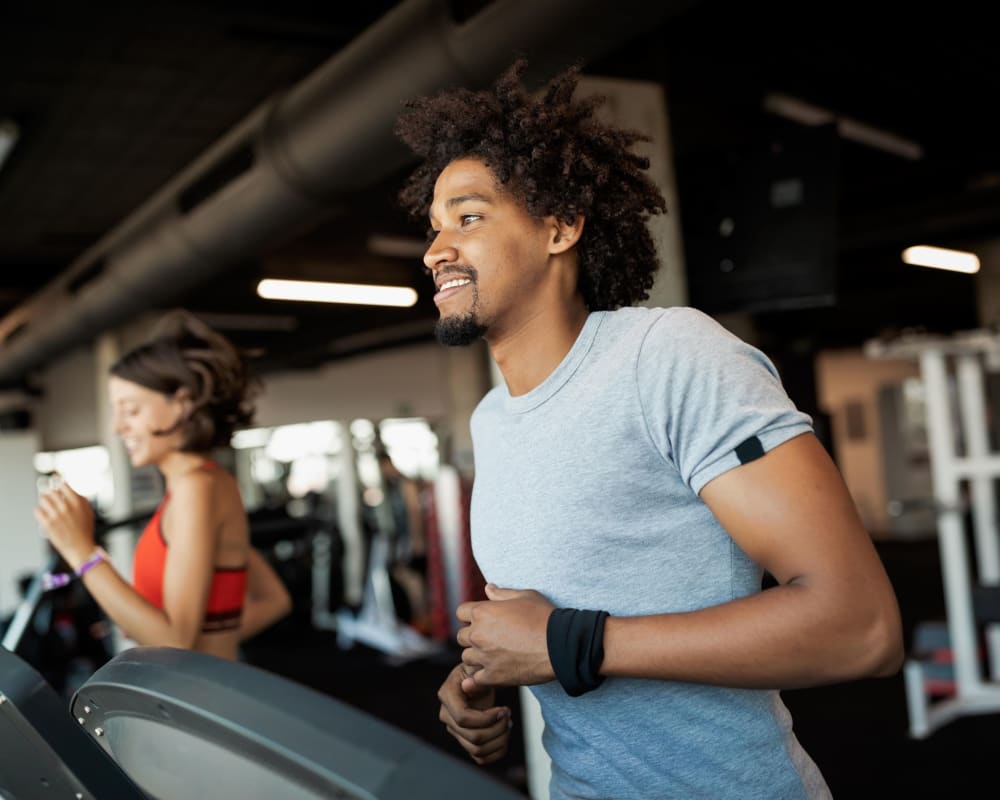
x=808 y=114
x=941 y=258
x=8 y=137
x=322 y=292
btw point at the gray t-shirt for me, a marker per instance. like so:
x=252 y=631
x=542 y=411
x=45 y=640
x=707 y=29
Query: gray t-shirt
x=586 y=490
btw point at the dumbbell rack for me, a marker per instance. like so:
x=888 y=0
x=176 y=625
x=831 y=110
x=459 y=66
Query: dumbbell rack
x=952 y=370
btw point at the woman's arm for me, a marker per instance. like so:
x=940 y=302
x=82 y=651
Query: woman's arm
x=267 y=599
x=69 y=522
x=832 y=617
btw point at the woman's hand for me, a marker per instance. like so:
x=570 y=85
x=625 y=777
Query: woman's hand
x=67 y=519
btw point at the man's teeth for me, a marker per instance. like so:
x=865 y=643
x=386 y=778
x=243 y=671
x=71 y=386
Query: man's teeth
x=453 y=284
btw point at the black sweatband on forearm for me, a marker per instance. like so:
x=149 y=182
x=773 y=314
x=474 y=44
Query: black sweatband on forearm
x=575 y=640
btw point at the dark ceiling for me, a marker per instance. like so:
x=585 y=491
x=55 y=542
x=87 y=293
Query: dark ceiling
x=113 y=99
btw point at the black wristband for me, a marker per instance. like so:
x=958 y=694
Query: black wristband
x=575 y=640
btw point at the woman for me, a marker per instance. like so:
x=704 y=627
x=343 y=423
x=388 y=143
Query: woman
x=197 y=582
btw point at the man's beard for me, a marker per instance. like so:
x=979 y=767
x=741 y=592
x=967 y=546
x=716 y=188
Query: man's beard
x=459 y=331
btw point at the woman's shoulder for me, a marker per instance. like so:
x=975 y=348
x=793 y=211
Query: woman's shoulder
x=210 y=494
x=205 y=481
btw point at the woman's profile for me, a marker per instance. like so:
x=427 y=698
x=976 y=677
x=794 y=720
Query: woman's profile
x=197 y=581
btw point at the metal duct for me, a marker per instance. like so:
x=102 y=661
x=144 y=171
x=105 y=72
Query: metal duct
x=330 y=135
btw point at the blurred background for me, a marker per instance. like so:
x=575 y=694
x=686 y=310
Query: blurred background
x=170 y=154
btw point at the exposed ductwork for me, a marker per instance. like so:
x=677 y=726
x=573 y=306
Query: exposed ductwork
x=325 y=138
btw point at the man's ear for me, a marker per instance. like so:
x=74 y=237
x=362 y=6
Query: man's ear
x=564 y=235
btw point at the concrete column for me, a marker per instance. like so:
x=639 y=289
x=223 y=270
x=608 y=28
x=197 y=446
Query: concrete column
x=642 y=106
x=24 y=550
x=119 y=543
x=349 y=521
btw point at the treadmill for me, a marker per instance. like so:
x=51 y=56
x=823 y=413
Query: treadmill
x=43 y=751
x=158 y=723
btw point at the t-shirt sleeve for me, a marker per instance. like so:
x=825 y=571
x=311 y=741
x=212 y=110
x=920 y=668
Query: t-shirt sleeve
x=711 y=401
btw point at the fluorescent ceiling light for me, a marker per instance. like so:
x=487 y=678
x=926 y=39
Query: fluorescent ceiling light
x=807 y=114
x=941 y=258
x=8 y=137
x=321 y=292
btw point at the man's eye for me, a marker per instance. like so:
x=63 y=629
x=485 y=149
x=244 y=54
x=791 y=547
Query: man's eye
x=467 y=218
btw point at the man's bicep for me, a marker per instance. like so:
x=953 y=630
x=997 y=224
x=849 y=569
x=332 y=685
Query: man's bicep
x=790 y=511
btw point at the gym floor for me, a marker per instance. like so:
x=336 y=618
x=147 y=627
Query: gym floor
x=856 y=732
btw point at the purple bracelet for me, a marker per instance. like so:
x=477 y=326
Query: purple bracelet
x=98 y=556
x=56 y=580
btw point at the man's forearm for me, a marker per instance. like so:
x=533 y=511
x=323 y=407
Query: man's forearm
x=779 y=638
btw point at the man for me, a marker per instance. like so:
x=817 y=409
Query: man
x=636 y=473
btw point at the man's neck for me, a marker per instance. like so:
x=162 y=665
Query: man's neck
x=530 y=353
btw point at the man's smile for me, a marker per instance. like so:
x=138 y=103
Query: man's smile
x=449 y=286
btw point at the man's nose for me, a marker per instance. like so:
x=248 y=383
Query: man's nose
x=440 y=252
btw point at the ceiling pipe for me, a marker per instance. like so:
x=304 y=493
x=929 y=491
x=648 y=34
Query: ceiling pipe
x=299 y=153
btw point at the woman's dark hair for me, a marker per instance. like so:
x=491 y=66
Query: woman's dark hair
x=556 y=158
x=185 y=353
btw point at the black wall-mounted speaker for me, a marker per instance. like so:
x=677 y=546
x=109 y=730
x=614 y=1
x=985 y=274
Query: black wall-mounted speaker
x=760 y=227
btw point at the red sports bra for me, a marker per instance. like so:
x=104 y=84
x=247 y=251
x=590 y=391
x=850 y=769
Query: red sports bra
x=225 y=600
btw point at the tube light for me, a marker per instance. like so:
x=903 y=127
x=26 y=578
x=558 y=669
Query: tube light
x=804 y=113
x=941 y=258
x=323 y=292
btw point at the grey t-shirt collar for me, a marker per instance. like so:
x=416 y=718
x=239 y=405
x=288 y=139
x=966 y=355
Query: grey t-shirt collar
x=560 y=375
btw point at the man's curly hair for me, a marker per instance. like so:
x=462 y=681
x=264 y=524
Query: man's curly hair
x=556 y=158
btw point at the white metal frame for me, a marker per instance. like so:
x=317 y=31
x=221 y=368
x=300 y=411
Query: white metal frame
x=939 y=357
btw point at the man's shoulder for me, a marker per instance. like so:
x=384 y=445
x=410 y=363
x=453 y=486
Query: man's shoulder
x=671 y=316
x=658 y=327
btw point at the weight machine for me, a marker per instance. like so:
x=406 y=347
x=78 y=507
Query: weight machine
x=964 y=467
